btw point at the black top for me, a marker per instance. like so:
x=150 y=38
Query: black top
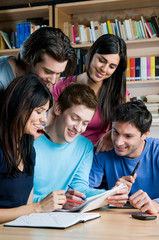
x=14 y=192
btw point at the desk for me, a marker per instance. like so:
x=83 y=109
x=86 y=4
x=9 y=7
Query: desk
x=114 y=224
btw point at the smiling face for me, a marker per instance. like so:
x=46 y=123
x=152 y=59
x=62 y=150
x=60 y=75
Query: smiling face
x=34 y=125
x=127 y=139
x=71 y=123
x=103 y=66
x=49 y=69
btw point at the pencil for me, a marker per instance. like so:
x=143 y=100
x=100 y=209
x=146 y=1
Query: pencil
x=70 y=200
x=136 y=167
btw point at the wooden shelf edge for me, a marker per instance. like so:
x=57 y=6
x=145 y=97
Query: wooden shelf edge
x=142 y=82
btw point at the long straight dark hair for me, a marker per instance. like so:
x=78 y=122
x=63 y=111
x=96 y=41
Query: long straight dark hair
x=22 y=96
x=113 y=90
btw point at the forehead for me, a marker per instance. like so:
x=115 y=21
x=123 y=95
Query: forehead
x=125 y=128
x=82 y=111
x=50 y=63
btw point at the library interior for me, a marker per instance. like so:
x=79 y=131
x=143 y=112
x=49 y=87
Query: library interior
x=137 y=22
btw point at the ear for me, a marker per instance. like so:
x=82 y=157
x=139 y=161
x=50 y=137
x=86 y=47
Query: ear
x=57 y=109
x=145 y=134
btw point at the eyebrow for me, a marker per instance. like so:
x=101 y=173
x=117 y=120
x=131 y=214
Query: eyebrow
x=49 y=70
x=107 y=60
x=80 y=117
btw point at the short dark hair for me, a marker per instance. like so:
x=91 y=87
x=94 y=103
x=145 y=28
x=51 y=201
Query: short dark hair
x=20 y=98
x=134 y=112
x=51 y=41
x=79 y=94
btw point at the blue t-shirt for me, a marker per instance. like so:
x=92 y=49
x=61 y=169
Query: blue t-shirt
x=14 y=192
x=115 y=167
x=60 y=165
x=6 y=73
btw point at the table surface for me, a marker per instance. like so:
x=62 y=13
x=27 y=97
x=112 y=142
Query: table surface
x=116 y=224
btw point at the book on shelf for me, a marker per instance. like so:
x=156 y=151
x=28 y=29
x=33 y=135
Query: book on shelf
x=155 y=24
x=132 y=69
x=5 y=39
x=59 y=220
x=143 y=67
x=152 y=60
x=157 y=66
x=152 y=98
x=137 y=69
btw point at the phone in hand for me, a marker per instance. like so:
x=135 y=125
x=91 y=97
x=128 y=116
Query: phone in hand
x=143 y=216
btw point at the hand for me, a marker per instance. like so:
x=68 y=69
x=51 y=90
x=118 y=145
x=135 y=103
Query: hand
x=55 y=200
x=119 y=199
x=128 y=180
x=105 y=143
x=143 y=202
x=73 y=195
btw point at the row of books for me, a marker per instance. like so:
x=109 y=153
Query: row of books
x=17 y=38
x=152 y=104
x=24 y=30
x=128 y=29
x=143 y=68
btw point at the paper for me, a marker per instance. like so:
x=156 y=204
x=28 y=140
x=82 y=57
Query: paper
x=52 y=220
x=95 y=202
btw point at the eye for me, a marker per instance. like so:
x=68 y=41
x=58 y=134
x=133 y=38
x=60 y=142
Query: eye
x=101 y=60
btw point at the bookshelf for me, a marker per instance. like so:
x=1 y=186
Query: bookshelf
x=85 y=11
x=9 y=18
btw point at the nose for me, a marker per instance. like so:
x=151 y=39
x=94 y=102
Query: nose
x=79 y=128
x=119 y=141
x=52 y=78
x=105 y=68
x=43 y=119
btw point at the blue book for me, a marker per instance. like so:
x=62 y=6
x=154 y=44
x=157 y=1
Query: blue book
x=137 y=69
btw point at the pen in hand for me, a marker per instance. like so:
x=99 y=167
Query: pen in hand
x=73 y=189
x=136 y=167
x=70 y=200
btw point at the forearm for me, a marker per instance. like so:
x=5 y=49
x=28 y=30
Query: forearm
x=156 y=205
x=7 y=215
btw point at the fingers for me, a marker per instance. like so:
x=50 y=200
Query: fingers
x=75 y=195
x=143 y=202
x=54 y=200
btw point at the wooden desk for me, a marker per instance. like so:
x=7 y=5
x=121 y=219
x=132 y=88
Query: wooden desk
x=114 y=224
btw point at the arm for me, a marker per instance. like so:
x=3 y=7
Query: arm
x=143 y=202
x=53 y=201
x=80 y=181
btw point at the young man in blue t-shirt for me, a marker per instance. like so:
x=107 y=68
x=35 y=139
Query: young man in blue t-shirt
x=64 y=157
x=130 y=126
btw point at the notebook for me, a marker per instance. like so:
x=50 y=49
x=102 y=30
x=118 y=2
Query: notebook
x=59 y=220
x=94 y=202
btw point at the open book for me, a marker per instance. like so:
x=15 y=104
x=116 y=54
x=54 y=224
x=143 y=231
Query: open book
x=95 y=202
x=52 y=220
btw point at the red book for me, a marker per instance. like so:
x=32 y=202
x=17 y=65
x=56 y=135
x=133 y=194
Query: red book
x=132 y=69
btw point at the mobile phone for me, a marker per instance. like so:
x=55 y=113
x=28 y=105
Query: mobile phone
x=143 y=216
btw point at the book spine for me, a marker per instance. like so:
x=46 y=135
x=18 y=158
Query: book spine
x=148 y=68
x=152 y=59
x=132 y=69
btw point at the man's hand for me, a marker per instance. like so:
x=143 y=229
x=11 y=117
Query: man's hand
x=105 y=143
x=128 y=180
x=119 y=199
x=73 y=195
x=143 y=202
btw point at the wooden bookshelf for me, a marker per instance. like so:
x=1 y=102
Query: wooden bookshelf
x=72 y=12
x=9 y=18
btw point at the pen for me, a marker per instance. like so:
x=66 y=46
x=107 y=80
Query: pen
x=70 y=200
x=73 y=189
x=136 y=167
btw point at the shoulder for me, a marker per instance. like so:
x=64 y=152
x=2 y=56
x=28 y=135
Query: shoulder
x=83 y=143
x=106 y=155
x=60 y=85
x=153 y=143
